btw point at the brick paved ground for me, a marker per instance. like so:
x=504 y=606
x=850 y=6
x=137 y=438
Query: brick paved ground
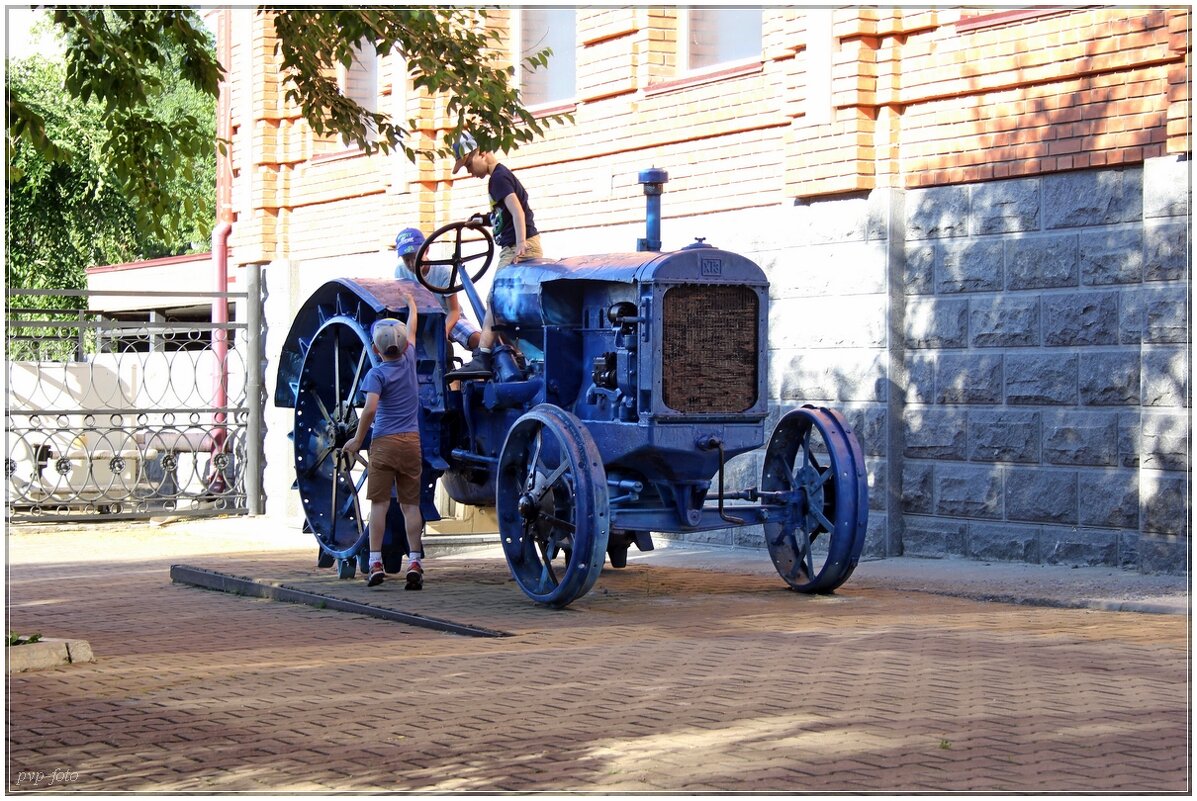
x=661 y=679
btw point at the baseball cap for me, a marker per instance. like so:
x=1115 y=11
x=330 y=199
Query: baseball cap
x=408 y=241
x=390 y=336
x=462 y=148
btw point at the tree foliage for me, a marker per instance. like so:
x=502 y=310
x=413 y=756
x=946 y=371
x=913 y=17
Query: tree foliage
x=107 y=151
x=126 y=61
x=119 y=58
x=76 y=208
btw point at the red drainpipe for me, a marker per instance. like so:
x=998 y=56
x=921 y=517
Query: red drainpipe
x=220 y=342
x=220 y=254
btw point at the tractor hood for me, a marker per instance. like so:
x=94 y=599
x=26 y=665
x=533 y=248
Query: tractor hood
x=522 y=294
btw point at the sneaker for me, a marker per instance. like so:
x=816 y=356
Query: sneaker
x=377 y=574
x=415 y=576
x=479 y=367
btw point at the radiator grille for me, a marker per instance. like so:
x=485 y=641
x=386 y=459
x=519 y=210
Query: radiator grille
x=709 y=359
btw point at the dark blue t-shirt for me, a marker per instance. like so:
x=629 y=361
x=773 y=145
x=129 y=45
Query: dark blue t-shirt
x=398 y=396
x=502 y=183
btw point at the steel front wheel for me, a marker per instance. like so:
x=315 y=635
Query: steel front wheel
x=815 y=466
x=551 y=498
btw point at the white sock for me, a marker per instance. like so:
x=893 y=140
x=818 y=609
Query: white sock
x=415 y=556
x=375 y=556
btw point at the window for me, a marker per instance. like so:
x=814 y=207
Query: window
x=360 y=81
x=710 y=36
x=554 y=28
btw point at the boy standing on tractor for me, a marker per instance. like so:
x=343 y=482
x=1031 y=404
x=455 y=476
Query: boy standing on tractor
x=514 y=231
x=458 y=327
x=392 y=408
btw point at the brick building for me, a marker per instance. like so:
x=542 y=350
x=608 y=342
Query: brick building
x=975 y=224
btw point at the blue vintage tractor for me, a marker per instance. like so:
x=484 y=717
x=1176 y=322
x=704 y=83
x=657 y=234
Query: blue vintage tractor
x=625 y=383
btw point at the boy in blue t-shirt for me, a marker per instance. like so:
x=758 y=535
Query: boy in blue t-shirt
x=392 y=407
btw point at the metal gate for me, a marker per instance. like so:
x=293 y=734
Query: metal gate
x=110 y=418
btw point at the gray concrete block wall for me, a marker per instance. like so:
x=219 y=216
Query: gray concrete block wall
x=1047 y=348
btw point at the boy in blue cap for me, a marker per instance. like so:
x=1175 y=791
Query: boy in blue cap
x=458 y=327
x=392 y=408
x=514 y=230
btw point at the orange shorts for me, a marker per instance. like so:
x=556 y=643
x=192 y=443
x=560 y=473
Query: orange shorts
x=394 y=462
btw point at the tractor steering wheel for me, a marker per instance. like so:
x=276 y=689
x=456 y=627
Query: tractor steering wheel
x=470 y=241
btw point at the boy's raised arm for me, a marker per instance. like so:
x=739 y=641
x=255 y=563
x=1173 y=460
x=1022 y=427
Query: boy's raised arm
x=412 y=317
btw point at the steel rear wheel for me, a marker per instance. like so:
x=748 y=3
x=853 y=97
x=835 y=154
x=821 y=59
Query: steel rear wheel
x=326 y=417
x=551 y=498
x=816 y=533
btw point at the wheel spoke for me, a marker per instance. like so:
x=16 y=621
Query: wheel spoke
x=797 y=569
x=323 y=408
x=557 y=521
x=357 y=377
x=337 y=368
x=546 y=568
x=552 y=479
x=528 y=543
x=319 y=460
x=356 y=505
x=804 y=564
x=530 y=479
x=807 y=457
x=332 y=509
x=822 y=518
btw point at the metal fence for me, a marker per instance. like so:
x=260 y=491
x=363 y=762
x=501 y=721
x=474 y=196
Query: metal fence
x=114 y=418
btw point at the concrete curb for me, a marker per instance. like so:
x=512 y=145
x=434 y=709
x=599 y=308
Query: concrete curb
x=277 y=591
x=47 y=653
x=446 y=544
x=1159 y=607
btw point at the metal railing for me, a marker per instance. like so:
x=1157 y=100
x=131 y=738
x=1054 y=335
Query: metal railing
x=110 y=418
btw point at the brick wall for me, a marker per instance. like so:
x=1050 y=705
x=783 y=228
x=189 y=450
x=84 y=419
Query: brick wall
x=917 y=98
x=937 y=97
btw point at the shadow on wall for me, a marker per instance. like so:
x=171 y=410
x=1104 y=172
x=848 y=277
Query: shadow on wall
x=1047 y=394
